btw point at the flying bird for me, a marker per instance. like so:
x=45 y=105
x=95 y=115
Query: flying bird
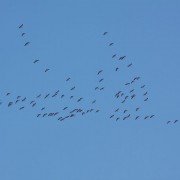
x=8 y=94
x=101 y=80
x=46 y=96
x=129 y=65
x=143 y=86
x=105 y=33
x=117 y=69
x=21 y=108
x=136 y=117
x=114 y=55
x=168 y=122
x=79 y=99
x=46 y=70
x=65 y=108
x=21 y=26
x=10 y=104
x=38 y=115
x=146 y=117
x=93 y=101
x=111 y=116
x=152 y=116
x=27 y=43
x=110 y=44
x=68 y=79
x=175 y=121
x=35 y=61
x=146 y=99
x=23 y=34
x=117 y=110
x=122 y=57
x=72 y=88
x=99 y=72
x=145 y=93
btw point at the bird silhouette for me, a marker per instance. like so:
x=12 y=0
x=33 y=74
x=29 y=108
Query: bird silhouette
x=105 y=33
x=122 y=57
x=21 y=26
x=27 y=43
x=72 y=88
x=35 y=61
x=129 y=65
x=46 y=70
x=175 y=121
x=21 y=108
x=99 y=72
x=114 y=55
x=68 y=79
x=110 y=44
x=23 y=34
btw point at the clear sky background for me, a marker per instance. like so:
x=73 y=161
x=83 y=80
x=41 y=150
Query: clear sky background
x=67 y=38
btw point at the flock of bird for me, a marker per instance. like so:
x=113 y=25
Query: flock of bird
x=75 y=107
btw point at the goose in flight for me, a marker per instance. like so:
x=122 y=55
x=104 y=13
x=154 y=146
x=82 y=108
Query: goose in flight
x=143 y=86
x=42 y=108
x=38 y=96
x=132 y=91
x=146 y=99
x=18 y=97
x=145 y=93
x=137 y=108
x=79 y=99
x=46 y=70
x=136 y=117
x=35 y=61
x=38 y=115
x=125 y=111
x=122 y=57
x=46 y=96
x=23 y=99
x=23 y=34
x=68 y=79
x=127 y=84
x=152 y=116
x=8 y=94
x=27 y=43
x=71 y=97
x=97 y=110
x=21 y=26
x=96 y=88
x=175 y=121
x=93 y=101
x=117 y=69
x=117 y=110
x=44 y=114
x=10 y=104
x=72 y=88
x=105 y=33
x=133 y=96
x=101 y=88
x=129 y=65
x=110 y=44
x=117 y=118
x=101 y=80
x=168 y=122
x=146 y=117
x=65 y=108
x=111 y=116
x=62 y=96
x=114 y=55
x=33 y=104
x=99 y=72
x=21 y=108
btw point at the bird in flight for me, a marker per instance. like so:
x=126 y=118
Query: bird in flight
x=122 y=57
x=23 y=34
x=68 y=79
x=111 y=116
x=21 y=26
x=129 y=65
x=105 y=33
x=146 y=99
x=27 y=43
x=8 y=94
x=168 y=122
x=117 y=69
x=72 y=88
x=93 y=101
x=110 y=44
x=137 y=108
x=117 y=110
x=35 y=61
x=10 y=104
x=79 y=99
x=99 y=72
x=175 y=121
x=145 y=93
x=152 y=116
x=136 y=117
x=101 y=80
x=21 y=108
x=146 y=117
x=114 y=56
x=46 y=70
x=46 y=96
x=143 y=86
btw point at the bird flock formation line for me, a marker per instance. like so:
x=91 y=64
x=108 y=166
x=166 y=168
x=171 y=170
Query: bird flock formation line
x=124 y=96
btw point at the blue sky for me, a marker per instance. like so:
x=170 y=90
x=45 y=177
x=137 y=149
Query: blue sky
x=66 y=36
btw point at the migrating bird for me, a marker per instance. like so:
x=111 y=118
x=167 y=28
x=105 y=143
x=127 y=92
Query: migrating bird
x=117 y=118
x=132 y=91
x=17 y=101
x=175 y=121
x=62 y=96
x=38 y=115
x=46 y=96
x=27 y=43
x=143 y=86
x=21 y=108
x=44 y=114
x=71 y=97
x=133 y=96
x=72 y=88
x=8 y=94
x=24 y=99
x=129 y=65
x=101 y=88
x=152 y=116
x=136 y=117
x=110 y=44
x=18 y=97
x=117 y=110
x=146 y=117
x=137 y=108
x=65 y=108
x=125 y=111
x=111 y=116
x=122 y=57
x=145 y=93
x=99 y=72
x=117 y=69
x=97 y=111
x=46 y=70
x=42 y=108
x=93 y=101
x=146 y=99
x=101 y=80
x=68 y=79
x=96 y=88
x=113 y=56
x=79 y=99
x=21 y=26
x=168 y=122
x=23 y=34
x=35 y=61
x=127 y=84
x=10 y=104
x=105 y=33
x=38 y=96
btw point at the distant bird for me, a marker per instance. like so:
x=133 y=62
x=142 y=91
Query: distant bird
x=128 y=115
x=124 y=118
x=46 y=96
x=117 y=110
x=93 y=101
x=127 y=84
x=175 y=121
x=101 y=88
x=21 y=108
x=65 y=108
x=113 y=56
x=42 y=108
x=96 y=88
x=146 y=117
x=38 y=96
x=145 y=93
x=54 y=95
x=168 y=122
x=72 y=115
x=99 y=72
x=146 y=99
x=129 y=65
x=122 y=57
x=97 y=110
x=68 y=79
x=137 y=108
x=105 y=33
x=21 y=26
x=17 y=101
x=133 y=96
x=83 y=113
x=35 y=61
x=126 y=97
x=123 y=101
x=110 y=44
x=33 y=104
x=23 y=34
x=132 y=81
x=46 y=70
x=125 y=111
x=27 y=43
x=38 y=115
x=23 y=99
x=152 y=116
x=101 y=80
x=56 y=113
x=136 y=117
x=132 y=91
x=10 y=104
x=117 y=118
x=79 y=99
x=71 y=97
x=72 y=88
x=8 y=94
x=143 y=86
x=18 y=97
x=57 y=92
x=117 y=69
x=111 y=116
x=59 y=118
x=44 y=114
x=62 y=96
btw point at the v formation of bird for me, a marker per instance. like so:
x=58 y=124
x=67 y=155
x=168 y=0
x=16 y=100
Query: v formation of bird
x=67 y=112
